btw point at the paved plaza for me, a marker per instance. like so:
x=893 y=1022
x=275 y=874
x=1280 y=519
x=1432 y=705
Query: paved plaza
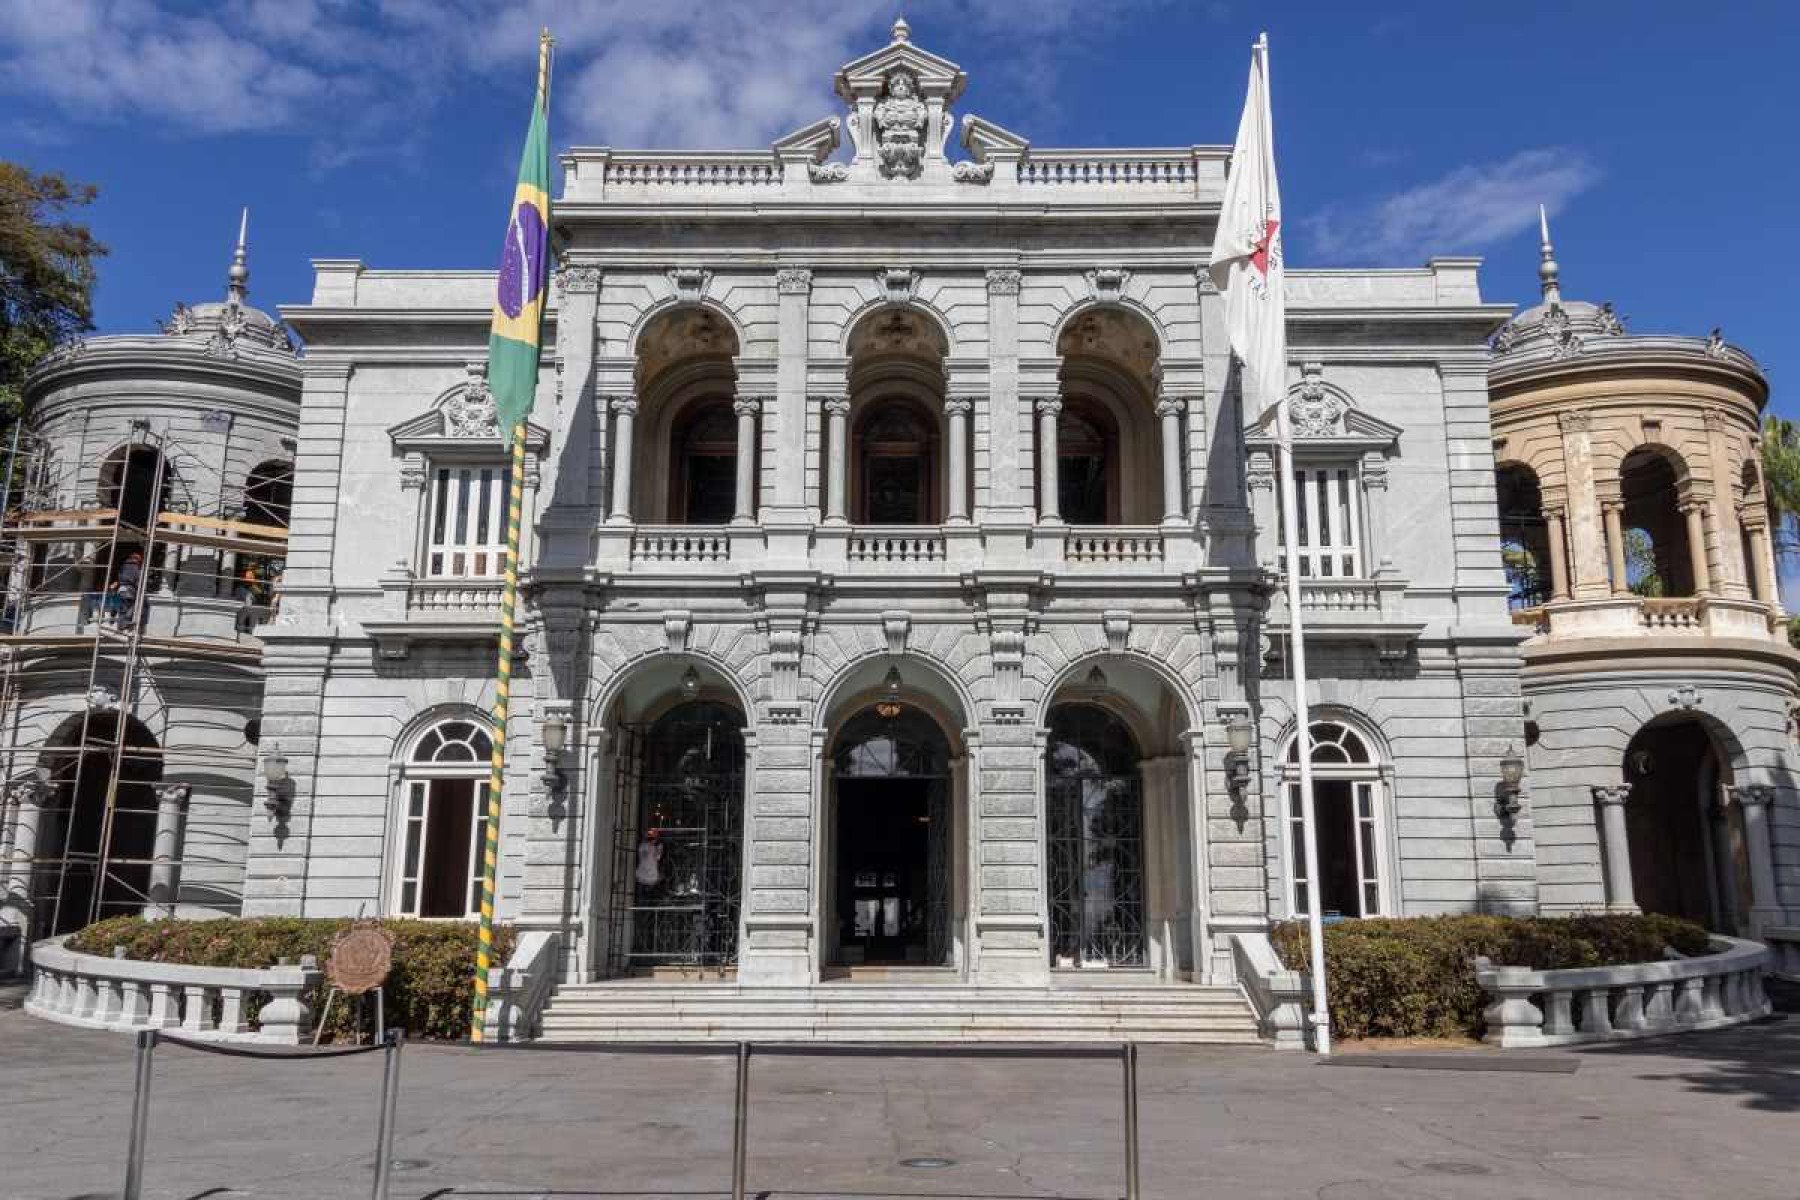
x=1701 y=1115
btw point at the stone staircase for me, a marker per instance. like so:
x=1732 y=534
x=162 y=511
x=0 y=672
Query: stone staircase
x=878 y=1011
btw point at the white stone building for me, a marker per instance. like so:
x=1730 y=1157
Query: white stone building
x=900 y=564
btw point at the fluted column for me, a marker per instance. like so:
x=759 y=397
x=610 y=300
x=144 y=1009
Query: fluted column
x=1694 y=513
x=1765 y=899
x=837 y=420
x=956 y=478
x=1169 y=410
x=1616 y=847
x=1615 y=547
x=1559 y=570
x=744 y=511
x=165 y=866
x=624 y=417
x=1047 y=410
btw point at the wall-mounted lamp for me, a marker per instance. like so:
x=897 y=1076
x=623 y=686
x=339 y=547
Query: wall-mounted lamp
x=279 y=798
x=690 y=682
x=554 y=734
x=1238 y=731
x=1512 y=777
x=1097 y=680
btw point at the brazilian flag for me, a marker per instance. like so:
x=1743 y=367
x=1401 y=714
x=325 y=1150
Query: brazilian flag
x=524 y=276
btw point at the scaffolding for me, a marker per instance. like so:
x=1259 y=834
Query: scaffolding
x=127 y=581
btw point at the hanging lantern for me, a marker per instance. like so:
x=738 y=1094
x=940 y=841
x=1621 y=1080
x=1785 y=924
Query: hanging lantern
x=690 y=682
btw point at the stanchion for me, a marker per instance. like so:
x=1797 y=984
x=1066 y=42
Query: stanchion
x=740 y=1122
x=140 y=1116
x=1128 y=1054
x=390 y=1098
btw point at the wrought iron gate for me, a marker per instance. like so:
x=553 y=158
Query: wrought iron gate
x=1095 y=812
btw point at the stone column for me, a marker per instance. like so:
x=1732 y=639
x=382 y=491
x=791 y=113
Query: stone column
x=1764 y=564
x=171 y=829
x=1587 y=545
x=1047 y=410
x=1559 y=570
x=956 y=478
x=1723 y=868
x=1765 y=900
x=837 y=419
x=744 y=511
x=1259 y=482
x=28 y=798
x=1615 y=547
x=1694 y=513
x=1378 y=545
x=1007 y=440
x=1730 y=574
x=1616 y=847
x=784 y=421
x=1168 y=410
x=624 y=446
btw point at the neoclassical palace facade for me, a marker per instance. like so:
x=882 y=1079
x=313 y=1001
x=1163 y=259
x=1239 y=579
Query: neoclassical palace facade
x=901 y=591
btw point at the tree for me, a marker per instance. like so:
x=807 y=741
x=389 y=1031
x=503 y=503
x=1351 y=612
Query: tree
x=1781 y=481
x=46 y=273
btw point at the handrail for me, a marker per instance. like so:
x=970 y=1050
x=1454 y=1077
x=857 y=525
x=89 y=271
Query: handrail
x=1277 y=995
x=518 y=992
x=1591 y=1004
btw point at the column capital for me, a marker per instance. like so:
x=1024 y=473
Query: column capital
x=747 y=406
x=625 y=405
x=836 y=406
x=793 y=281
x=1004 y=281
x=959 y=406
x=173 y=793
x=1048 y=405
x=1575 y=420
x=1612 y=796
x=1170 y=406
x=1755 y=795
x=578 y=280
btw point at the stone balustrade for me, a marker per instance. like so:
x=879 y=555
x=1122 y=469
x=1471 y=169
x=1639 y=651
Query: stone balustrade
x=453 y=595
x=1114 y=544
x=1784 y=951
x=1594 y=1004
x=1109 y=168
x=518 y=992
x=204 y=1003
x=1674 y=615
x=680 y=544
x=661 y=171
x=896 y=545
x=1278 y=996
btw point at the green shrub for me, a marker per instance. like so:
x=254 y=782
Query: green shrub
x=1413 y=976
x=428 y=991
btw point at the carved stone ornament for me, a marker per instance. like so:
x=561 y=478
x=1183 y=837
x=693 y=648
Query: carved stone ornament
x=1107 y=284
x=1608 y=318
x=1575 y=420
x=223 y=342
x=181 y=321
x=1003 y=281
x=361 y=957
x=689 y=283
x=900 y=126
x=898 y=284
x=102 y=699
x=470 y=413
x=1715 y=343
x=1563 y=339
x=1617 y=794
x=793 y=281
x=831 y=172
x=576 y=280
x=1686 y=697
x=1312 y=408
x=972 y=172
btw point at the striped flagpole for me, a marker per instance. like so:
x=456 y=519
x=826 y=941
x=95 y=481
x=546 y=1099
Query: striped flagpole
x=490 y=849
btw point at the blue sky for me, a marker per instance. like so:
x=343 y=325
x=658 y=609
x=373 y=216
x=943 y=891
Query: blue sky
x=1659 y=134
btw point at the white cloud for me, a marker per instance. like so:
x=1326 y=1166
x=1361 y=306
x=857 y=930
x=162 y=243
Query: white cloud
x=353 y=73
x=1467 y=209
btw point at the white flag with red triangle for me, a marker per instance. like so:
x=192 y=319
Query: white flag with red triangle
x=1246 y=256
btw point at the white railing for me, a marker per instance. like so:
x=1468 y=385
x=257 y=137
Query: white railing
x=1114 y=545
x=1784 y=951
x=896 y=546
x=1277 y=995
x=753 y=169
x=453 y=595
x=679 y=543
x=518 y=992
x=1594 y=1004
x=1167 y=168
x=1672 y=615
x=1339 y=595
x=206 y=1003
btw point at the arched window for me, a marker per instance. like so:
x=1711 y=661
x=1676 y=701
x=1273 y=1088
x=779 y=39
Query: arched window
x=445 y=784
x=896 y=456
x=678 y=841
x=1524 y=537
x=1095 y=837
x=1348 y=798
x=269 y=493
x=1087 y=455
x=92 y=864
x=1656 y=551
x=703 y=470
x=138 y=482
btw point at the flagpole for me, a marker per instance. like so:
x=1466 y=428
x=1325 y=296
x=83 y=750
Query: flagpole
x=509 y=599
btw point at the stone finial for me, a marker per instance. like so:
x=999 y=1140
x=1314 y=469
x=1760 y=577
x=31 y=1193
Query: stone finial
x=1549 y=273
x=902 y=31
x=237 y=280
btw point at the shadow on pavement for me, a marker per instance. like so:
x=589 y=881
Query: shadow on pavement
x=1758 y=1062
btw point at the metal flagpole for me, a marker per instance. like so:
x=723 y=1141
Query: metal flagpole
x=509 y=598
x=1290 y=523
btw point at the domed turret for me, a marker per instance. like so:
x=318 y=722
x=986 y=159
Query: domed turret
x=1555 y=325
x=224 y=325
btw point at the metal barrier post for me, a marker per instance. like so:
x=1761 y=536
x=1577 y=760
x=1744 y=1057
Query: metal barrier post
x=1128 y=1055
x=390 y=1099
x=740 y=1121
x=140 y=1116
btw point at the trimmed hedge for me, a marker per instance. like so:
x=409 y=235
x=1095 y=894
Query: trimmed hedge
x=1414 y=976
x=428 y=991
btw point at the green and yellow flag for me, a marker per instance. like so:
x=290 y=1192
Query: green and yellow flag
x=524 y=272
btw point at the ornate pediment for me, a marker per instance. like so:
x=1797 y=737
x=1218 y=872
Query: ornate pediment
x=1322 y=412
x=899 y=121
x=461 y=419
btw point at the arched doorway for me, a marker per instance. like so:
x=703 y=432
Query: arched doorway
x=1094 y=800
x=95 y=863
x=891 y=839
x=678 y=836
x=1688 y=855
x=444 y=826
x=1349 y=800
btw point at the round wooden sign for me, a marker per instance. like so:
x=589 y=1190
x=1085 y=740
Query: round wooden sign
x=361 y=957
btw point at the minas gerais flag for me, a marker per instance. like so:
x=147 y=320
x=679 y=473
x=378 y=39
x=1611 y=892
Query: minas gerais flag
x=513 y=348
